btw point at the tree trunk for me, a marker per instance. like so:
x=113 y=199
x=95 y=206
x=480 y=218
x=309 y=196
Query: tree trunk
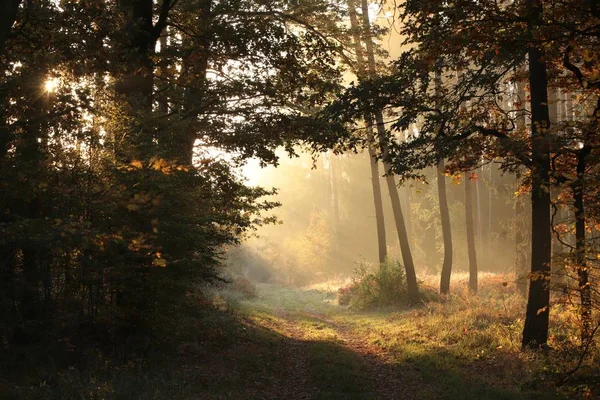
x=333 y=179
x=380 y=221
x=535 y=331
x=522 y=244
x=444 y=213
x=521 y=248
x=195 y=66
x=373 y=162
x=411 y=276
x=470 y=235
x=578 y=188
x=136 y=81
x=446 y=232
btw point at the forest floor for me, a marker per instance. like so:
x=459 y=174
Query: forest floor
x=331 y=352
x=292 y=343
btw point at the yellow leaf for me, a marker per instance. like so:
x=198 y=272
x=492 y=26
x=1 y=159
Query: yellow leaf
x=137 y=164
x=159 y=262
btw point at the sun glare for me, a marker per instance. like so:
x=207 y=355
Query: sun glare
x=51 y=85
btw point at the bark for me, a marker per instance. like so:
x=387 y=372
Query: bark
x=446 y=232
x=373 y=162
x=535 y=331
x=411 y=276
x=470 y=235
x=557 y=267
x=136 y=81
x=444 y=215
x=521 y=246
x=377 y=199
x=333 y=180
x=578 y=188
x=479 y=207
x=195 y=66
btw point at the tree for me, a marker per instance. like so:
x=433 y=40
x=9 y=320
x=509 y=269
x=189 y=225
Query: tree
x=444 y=213
x=535 y=331
x=374 y=163
x=470 y=233
x=110 y=196
x=411 y=277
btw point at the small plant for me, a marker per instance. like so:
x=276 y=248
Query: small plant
x=370 y=288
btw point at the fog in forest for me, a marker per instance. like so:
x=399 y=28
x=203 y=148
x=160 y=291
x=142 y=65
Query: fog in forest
x=327 y=220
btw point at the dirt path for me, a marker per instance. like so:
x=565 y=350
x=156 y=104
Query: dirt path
x=294 y=378
x=297 y=379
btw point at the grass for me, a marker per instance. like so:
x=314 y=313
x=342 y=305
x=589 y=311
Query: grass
x=282 y=342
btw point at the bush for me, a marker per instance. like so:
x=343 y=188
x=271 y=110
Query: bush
x=385 y=286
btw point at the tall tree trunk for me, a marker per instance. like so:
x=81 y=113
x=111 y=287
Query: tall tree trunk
x=333 y=179
x=522 y=243
x=521 y=248
x=411 y=276
x=470 y=235
x=444 y=213
x=479 y=207
x=535 y=331
x=557 y=266
x=446 y=232
x=136 y=81
x=195 y=65
x=377 y=199
x=373 y=162
x=578 y=188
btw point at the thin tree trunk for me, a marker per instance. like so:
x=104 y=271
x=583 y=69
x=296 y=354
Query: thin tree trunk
x=479 y=207
x=135 y=83
x=379 y=217
x=446 y=232
x=520 y=246
x=470 y=235
x=373 y=162
x=580 y=244
x=557 y=266
x=535 y=331
x=333 y=179
x=411 y=276
x=444 y=214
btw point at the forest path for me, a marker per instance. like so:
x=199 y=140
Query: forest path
x=328 y=356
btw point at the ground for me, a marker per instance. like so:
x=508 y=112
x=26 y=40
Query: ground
x=297 y=343
x=325 y=351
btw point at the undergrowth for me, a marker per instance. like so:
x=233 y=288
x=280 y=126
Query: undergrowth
x=375 y=287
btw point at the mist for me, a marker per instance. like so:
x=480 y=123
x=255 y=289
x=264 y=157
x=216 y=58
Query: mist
x=327 y=221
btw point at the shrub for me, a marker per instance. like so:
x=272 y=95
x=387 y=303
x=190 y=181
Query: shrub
x=385 y=286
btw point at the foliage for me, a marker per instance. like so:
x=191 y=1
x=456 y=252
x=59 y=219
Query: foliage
x=121 y=127
x=383 y=287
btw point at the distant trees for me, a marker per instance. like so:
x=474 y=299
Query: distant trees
x=466 y=61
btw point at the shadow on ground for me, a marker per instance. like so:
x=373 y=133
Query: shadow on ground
x=211 y=354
